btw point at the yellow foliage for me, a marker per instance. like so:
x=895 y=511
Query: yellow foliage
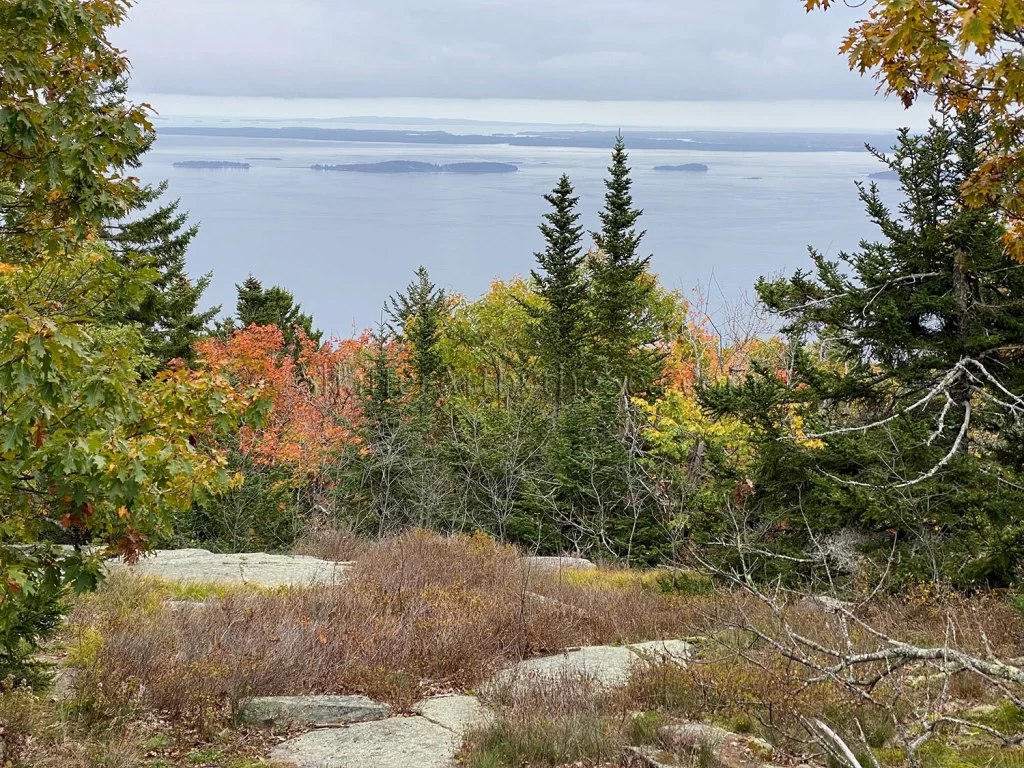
x=601 y=578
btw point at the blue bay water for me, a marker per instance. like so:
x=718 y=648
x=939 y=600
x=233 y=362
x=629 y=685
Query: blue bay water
x=344 y=242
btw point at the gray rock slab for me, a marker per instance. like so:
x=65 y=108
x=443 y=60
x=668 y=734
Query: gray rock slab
x=559 y=563
x=664 y=650
x=456 y=713
x=603 y=664
x=399 y=742
x=728 y=750
x=312 y=710
x=201 y=566
x=608 y=665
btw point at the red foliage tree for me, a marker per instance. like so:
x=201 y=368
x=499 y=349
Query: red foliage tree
x=315 y=410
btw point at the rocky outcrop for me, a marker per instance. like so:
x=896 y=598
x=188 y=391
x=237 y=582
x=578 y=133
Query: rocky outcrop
x=398 y=742
x=202 y=566
x=559 y=564
x=312 y=710
x=456 y=713
x=607 y=665
x=430 y=739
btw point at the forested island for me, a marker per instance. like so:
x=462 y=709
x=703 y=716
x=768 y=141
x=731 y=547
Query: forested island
x=685 y=168
x=211 y=164
x=415 y=166
x=885 y=176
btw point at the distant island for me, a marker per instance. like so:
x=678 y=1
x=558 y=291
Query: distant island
x=210 y=164
x=686 y=167
x=414 y=166
x=885 y=176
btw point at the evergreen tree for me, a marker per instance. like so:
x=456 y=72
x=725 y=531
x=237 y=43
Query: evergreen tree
x=383 y=388
x=561 y=329
x=602 y=483
x=900 y=418
x=622 y=289
x=418 y=317
x=272 y=306
x=168 y=310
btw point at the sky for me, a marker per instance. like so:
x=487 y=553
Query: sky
x=767 y=58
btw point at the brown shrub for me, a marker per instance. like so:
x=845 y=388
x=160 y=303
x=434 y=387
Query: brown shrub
x=331 y=544
x=620 y=606
x=420 y=612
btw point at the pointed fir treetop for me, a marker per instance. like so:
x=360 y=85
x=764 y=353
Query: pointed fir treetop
x=560 y=332
x=273 y=306
x=419 y=314
x=562 y=233
x=618 y=238
x=421 y=297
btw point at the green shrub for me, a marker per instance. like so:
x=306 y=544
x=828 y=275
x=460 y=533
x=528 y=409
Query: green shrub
x=31 y=612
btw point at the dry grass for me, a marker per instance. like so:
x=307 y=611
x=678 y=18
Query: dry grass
x=422 y=613
x=331 y=544
x=568 y=721
x=21 y=717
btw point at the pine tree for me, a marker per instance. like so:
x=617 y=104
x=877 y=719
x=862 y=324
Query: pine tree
x=898 y=417
x=168 y=310
x=562 y=322
x=622 y=289
x=272 y=306
x=418 y=317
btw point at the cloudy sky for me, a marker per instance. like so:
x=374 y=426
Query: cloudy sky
x=649 y=50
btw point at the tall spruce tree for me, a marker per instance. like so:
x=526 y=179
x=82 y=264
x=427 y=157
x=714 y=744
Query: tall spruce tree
x=417 y=317
x=902 y=419
x=272 y=306
x=562 y=321
x=168 y=310
x=622 y=289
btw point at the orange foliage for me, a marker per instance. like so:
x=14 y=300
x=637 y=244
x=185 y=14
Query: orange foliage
x=700 y=354
x=315 y=411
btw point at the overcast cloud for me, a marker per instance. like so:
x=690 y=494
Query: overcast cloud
x=722 y=50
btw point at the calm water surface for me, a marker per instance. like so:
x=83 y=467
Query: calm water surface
x=343 y=242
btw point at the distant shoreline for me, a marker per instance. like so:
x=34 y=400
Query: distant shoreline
x=414 y=166
x=693 y=141
x=212 y=165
